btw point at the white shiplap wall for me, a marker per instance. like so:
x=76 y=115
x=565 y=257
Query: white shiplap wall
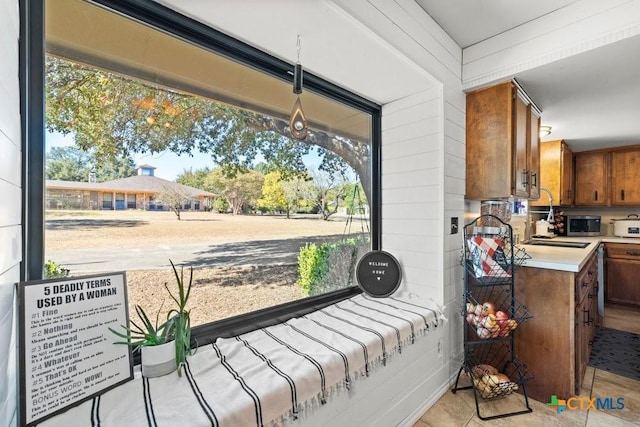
x=10 y=209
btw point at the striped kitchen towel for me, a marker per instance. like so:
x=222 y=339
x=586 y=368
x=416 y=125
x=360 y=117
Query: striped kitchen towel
x=266 y=376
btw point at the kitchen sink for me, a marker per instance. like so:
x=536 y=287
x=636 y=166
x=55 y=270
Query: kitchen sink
x=558 y=243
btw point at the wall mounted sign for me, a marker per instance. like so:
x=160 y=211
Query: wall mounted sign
x=378 y=273
x=67 y=355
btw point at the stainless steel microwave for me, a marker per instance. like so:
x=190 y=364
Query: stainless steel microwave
x=583 y=225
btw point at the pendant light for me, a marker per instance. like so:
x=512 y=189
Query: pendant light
x=297 y=120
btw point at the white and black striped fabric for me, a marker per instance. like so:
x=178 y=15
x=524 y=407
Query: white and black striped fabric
x=268 y=375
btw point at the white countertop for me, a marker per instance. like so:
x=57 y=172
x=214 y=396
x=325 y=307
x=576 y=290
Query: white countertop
x=567 y=259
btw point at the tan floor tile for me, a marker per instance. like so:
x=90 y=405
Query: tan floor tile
x=451 y=410
x=542 y=415
x=607 y=384
x=602 y=419
x=621 y=318
x=458 y=410
x=587 y=383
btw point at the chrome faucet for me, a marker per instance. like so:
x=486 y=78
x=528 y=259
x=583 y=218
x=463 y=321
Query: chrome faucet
x=550 y=215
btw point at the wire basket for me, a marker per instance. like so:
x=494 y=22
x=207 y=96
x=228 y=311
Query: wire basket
x=494 y=373
x=493 y=313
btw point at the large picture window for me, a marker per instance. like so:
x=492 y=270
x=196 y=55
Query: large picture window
x=175 y=142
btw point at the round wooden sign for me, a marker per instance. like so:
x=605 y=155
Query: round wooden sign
x=378 y=274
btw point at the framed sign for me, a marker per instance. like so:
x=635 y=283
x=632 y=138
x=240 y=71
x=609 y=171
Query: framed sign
x=378 y=273
x=67 y=355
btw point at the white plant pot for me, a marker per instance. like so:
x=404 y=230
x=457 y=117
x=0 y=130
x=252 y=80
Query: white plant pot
x=158 y=360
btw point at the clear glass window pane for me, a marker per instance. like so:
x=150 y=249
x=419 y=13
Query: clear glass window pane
x=158 y=149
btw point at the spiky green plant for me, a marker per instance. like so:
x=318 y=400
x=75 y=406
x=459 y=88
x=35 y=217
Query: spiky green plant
x=147 y=334
x=178 y=318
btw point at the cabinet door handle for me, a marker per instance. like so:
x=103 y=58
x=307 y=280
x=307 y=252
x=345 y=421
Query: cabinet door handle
x=633 y=253
x=534 y=180
x=621 y=194
x=525 y=178
x=596 y=195
x=587 y=318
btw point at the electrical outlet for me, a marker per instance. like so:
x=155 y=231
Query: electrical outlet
x=439 y=347
x=454 y=225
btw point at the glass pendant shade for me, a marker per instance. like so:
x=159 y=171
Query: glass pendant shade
x=297 y=121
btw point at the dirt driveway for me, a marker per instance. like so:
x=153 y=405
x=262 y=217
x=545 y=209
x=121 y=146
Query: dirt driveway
x=241 y=263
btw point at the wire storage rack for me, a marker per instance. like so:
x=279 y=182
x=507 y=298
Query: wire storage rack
x=491 y=318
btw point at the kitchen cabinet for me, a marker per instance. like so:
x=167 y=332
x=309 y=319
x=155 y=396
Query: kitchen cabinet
x=623 y=270
x=500 y=149
x=533 y=154
x=555 y=343
x=625 y=176
x=556 y=173
x=591 y=178
x=585 y=317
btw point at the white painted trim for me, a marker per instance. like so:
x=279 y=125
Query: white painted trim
x=575 y=29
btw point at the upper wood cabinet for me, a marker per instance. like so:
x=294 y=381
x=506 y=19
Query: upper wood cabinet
x=625 y=177
x=591 y=178
x=499 y=144
x=533 y=154
x=556 y=173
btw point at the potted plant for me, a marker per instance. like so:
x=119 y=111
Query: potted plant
x=164 y=347
x=158 y=351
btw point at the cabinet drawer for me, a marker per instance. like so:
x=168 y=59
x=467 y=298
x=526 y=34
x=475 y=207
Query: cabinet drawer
x=623 y=250
x=586 y=279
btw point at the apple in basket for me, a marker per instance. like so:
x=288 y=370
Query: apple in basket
x=478 y=310
x=501 y=317
x=489 y=321
x=470 y=308
x=483 y=332
x=471 y=319
x=488 y=308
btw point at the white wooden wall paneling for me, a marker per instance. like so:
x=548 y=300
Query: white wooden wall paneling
x=10 y=217
x=579 y=27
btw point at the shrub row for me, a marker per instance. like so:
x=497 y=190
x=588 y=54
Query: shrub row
x=329 y=266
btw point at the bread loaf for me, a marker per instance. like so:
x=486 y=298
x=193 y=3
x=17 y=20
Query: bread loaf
x=481 y=370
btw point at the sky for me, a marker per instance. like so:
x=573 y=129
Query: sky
x=168 y=165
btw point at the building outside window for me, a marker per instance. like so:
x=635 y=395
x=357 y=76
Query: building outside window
x=122 y=92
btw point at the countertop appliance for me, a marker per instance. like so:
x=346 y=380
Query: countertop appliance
x=544 y=229
x=627 y=227
x=582 y=225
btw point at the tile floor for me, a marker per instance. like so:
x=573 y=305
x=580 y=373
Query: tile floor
x=459 y=409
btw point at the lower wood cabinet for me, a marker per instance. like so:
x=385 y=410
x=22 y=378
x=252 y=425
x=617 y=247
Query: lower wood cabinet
x=556 y=342
x=585 y=318
x=623 y=270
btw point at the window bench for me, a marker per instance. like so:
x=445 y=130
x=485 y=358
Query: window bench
x=268 y=375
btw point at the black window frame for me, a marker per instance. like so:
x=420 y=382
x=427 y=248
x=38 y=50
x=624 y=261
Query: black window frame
x=32 y=90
